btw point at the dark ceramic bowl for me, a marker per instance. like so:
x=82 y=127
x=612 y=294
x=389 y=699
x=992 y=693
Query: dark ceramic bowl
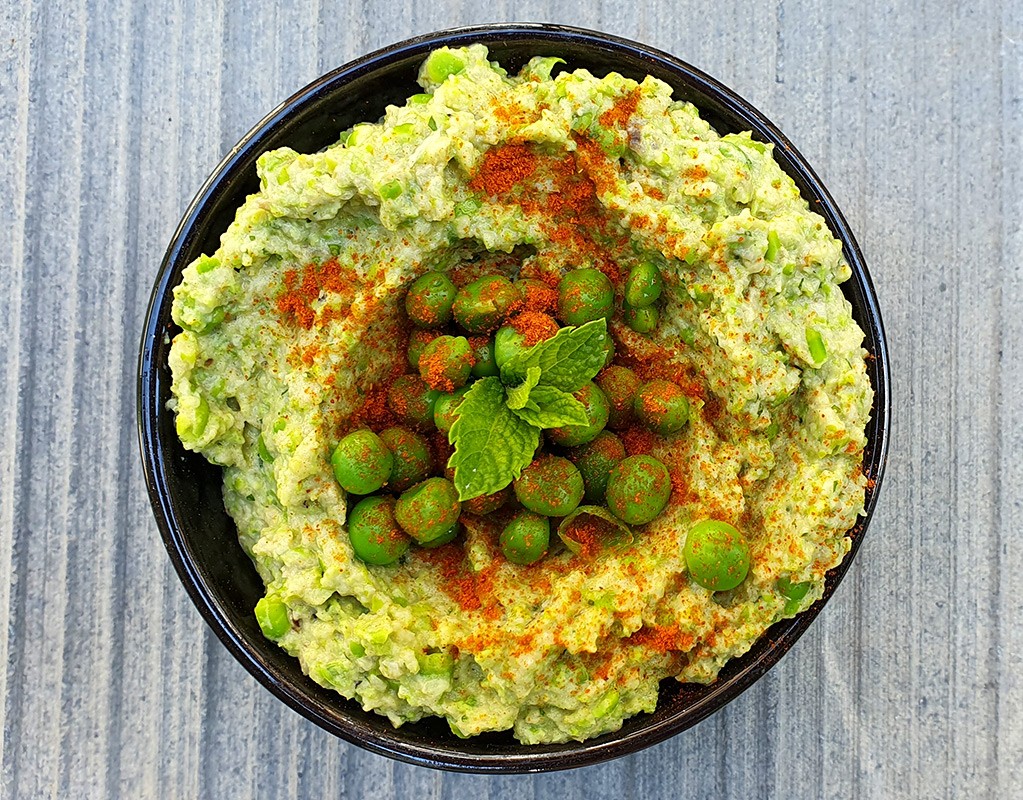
x=186 y=490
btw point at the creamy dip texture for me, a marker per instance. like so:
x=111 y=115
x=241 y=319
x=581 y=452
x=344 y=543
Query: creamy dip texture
x=294 y=329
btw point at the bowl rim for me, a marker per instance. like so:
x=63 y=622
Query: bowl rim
x=234 y=639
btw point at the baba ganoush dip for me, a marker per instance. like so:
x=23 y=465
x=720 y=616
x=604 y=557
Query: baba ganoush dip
x=585 y=369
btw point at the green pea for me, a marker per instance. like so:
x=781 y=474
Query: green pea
x=446 y=362
x=597 y=410
x=525 y=539
x=551 y=486
x=638 y=489
x=793 y=591
x=420 y=99
x=484 y=363
x=412 y=400
x=428 y=510
x=374 y=533
x=264 y=452
x=362 y=463
x=482 y=305
x=717 y=555
x=487 y=503
x=272 y=616
x=585 y=295
x=644 y=285
x=413 y=461
x=391 y=190
x=508 y=343
x=620 y=384
x=661 y=406
x=430 y=299
x=441 y=64
x=773 y=246
x=610 y=352
x=445 y=410
x=595 y=461
x=436 y=663
x=814 y=341
x=417 y=341
x=641 y=320
x=444 y=538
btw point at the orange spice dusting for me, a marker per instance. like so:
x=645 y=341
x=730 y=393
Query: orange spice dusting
x=621 y=112
x=680 y=491
x=299 y=292
x=503 y=167
x=658 y=637
x=534 y=326
x=431 y=367
x=540 y=297
x=638 y=441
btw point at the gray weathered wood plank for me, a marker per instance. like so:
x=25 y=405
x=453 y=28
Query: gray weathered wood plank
x=908 y=685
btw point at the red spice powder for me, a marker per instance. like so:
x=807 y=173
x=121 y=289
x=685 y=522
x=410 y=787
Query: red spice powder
x=431 y=367
x=534 y=326
x=295 y=300
x=502 y=168
x=657 y=637
x=540 y=297
x=638 y=441
x=680 y=491
x=621 y=112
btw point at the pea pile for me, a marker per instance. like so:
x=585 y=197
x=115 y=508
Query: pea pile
x=462 y=334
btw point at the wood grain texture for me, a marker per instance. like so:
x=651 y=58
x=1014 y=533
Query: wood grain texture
x=910 y=684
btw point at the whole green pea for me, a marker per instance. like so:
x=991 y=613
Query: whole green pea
x=446 y=362
x=641 y=320
x=428 y=510
x=413 y=461
x=620 y=384
x=445 y=410
x=361 y=462
x=412 y=400
x=597 y=409
x=595 y=461
x=487 y=503
x=272 y=616
x=717 y=555
x=644 y=285
x=482 y=305
x=551 y=486
x=444 y=538
x=429 y=300
x=662 y=406
x=508 y=343
x=374 y=533
x=418 y=338
x=585 y=295
x=525 y=539
x=638 y=489
x=484 y=363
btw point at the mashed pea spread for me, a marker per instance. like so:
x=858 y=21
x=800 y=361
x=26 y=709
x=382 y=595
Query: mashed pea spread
x=528 y=396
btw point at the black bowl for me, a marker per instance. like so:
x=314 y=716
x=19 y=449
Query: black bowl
x=186 y=490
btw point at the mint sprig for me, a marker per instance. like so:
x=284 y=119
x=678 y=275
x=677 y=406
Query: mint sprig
x=567 y=361
x=492 y=444
x=499 y=420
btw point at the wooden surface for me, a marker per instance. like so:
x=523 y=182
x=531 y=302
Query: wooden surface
x=910 y=684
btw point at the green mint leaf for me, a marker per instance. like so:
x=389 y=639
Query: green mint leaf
x=492 y=445
x=567 y=361
x=519 y=395
x=548 y=407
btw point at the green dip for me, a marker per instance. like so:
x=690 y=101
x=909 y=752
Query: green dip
x=295 y=326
